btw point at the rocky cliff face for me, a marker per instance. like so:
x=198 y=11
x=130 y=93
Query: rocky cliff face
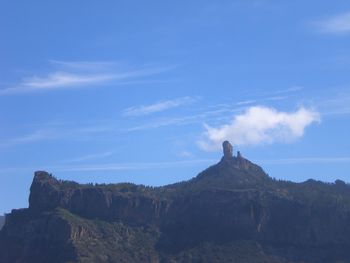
x=231 y=212
x=135 y=204
x=2 y=221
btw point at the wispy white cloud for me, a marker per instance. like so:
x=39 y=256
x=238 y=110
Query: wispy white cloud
x=255 y=101
x=114 y=166
x=338 y=24
x=258 y=125
x=290 y=90
x=269 y=96
x=64 y=79
x=306 y=160
x=186 y=154
x=162 y=123
x=274 y=98
x=217 y=114
x=35 y=136
x=80 y=74
x=58 y=132
x=129 y=166
x=169 y=164
x=90 y=157
x=246 y=102
x=84 y=65
x=336 y=102
x=97 y=129
x=158 y=106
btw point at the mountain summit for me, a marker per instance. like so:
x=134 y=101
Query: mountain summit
x=231 y=212
x=232 y=172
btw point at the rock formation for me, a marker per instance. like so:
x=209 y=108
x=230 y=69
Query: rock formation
x=227 y=149
x=230 y=212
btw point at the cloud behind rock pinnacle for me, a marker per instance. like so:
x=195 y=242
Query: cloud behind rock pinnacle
x=260 y=125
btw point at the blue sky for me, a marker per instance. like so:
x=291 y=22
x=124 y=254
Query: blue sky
x=145 y=91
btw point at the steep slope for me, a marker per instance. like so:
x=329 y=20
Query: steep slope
x=231 y=212
x=2 y=221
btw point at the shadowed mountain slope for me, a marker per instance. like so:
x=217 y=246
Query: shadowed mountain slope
x=2 y=221
x=231 y=212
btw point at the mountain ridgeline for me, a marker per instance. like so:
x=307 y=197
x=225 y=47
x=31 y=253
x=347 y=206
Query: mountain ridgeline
x=231 y=212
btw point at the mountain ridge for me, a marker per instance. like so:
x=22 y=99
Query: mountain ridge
x=231 y=212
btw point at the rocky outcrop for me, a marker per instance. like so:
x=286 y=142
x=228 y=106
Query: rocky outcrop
x=135 y=204
x=230 y=212
x=227 y=149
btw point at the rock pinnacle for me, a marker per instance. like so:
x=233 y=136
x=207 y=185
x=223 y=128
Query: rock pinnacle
x=228 y=149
